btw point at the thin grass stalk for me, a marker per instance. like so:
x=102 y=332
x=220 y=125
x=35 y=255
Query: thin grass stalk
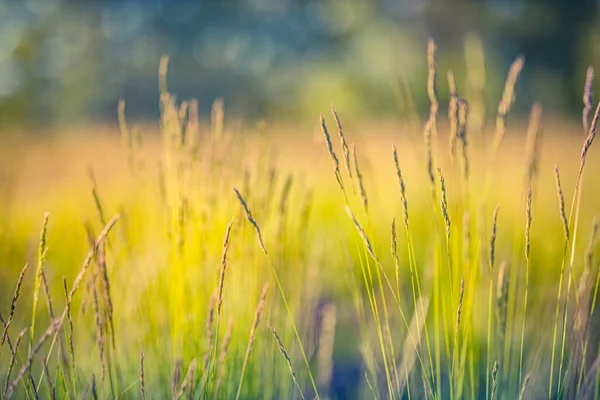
x=11 y=363
x=106 y=290
x=495 y=380
x=463 y=117
x=533 y=143
x=13 y=306
x=47 y=293
x=51 y=386
x=588 y=98
x=343 y=143
x=99 y=334
x=457 y=329
x=42 y=249
x=524 y=387
x=359 y=178
x=287 y=359
x=187 y=381
x=452 y=112
x=257 y=313
x=210 y=339
x=508 y=99
x=565 y=221
x=142 y=382
x=528 y=219
x=222 y=356
x=431 y=125
x=334 y=159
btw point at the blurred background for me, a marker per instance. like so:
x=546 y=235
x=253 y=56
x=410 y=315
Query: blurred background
x=70 y=61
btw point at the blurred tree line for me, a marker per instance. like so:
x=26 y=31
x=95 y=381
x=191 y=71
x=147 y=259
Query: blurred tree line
x=64 y=61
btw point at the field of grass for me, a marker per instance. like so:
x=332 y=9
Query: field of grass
x=212 y=260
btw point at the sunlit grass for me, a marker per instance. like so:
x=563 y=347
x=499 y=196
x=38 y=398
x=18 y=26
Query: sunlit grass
x=484 y=286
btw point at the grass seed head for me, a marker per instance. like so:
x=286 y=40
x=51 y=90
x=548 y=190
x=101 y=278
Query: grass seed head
x=588 y=98
x=561 y=203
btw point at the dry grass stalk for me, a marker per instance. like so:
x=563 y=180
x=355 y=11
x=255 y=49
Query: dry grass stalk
x=457 y=327
x=402 y=186
x=32 y=385
x=47 y=293
x=176 y=379
x=163 y=69
x=359 y=178
x=69 y=319
x=96 y=197
x=288 y=360
x=126 y=136
x=588 y=143
x=528 y=224
x=223 y=266
x=495 y=380
x=508 y=98
x=222 y=356
x=336 y=163
x=344 y=144
x=99 y=335
x=444 y=204
x=525 y=386
x=13 y=357
x=106 y=289
x=394 y=252
x=431 y=81
x=326 y=344
x=54 y=325
x=94 y=388
x=363 y=235
x=210 y=317
x=91 y=253
x=188 y=380
x=588 y=98
x=13 y=306
x=502 y=298
x=142 y=384
x=430 y=126
x=51 y=386
x=251 y=219
x=466 y=237
x=463 y=117
x=533 y=143
x=561 y=203
x=259 y=308
x=217 y=117
x=285 y=193
x=493 y=237
x=42 y=251
x=452 y=111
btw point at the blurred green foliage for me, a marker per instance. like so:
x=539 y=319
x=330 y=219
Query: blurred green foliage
x=65 y=61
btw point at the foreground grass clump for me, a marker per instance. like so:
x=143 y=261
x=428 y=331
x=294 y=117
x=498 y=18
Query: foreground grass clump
x=218 y=270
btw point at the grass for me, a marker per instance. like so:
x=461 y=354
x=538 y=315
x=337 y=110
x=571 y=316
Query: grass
x=145 y=255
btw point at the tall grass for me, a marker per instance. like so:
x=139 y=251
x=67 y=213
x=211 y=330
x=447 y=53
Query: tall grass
x=448 y=310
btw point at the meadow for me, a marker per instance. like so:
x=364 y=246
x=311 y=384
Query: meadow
x=450 y=258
